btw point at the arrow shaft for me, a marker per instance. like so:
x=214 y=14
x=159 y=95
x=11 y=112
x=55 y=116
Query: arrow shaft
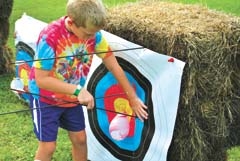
x=81 y=54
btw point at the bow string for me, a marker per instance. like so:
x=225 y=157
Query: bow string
x=63 y=102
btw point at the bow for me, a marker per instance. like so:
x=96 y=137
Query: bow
x=63 y=102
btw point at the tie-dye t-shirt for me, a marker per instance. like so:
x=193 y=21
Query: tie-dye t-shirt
x=55 y=41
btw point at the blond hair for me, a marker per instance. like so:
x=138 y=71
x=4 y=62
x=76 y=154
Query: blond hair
x=87 y=12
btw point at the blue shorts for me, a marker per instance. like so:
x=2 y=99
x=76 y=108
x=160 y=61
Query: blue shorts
x=47 y=120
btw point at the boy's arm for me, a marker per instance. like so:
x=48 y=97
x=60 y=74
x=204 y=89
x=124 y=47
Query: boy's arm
x=135 y=103
x=45 y=81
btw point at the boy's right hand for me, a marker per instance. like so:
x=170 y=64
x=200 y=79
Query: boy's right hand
x=86 y=98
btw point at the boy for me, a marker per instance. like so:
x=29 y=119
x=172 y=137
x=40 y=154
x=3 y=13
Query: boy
x=62 y=79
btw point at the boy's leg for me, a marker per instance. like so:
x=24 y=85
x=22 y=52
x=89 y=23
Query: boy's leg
x=73 y=121
x=79 y=145
x=45 y=151
x=46 y=123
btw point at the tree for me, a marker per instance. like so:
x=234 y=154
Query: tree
x=5 y=52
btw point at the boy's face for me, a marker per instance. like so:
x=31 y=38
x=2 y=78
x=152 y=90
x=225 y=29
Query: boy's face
x=84 y=33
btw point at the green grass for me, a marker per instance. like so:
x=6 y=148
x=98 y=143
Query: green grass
x=18 y=142
x=234 y=154
x=229 y=6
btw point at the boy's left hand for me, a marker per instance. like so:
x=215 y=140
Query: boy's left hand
x=139 y=108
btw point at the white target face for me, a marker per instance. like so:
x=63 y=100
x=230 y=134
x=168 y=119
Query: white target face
x=156 y=79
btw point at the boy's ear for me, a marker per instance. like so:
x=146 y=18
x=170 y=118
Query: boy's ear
x=69 y=21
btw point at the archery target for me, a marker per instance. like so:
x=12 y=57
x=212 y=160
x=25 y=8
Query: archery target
x=135 y=145
x=157 y=83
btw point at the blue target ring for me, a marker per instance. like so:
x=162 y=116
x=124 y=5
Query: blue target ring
x=135 y=146
x=107 y=81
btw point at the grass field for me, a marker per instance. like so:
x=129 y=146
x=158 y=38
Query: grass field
x=229 y=6
x=17 y=140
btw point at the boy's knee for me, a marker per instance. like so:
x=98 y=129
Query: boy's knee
x=78 y=138
x=81 y=141
x=48 y=148
x=51 y=148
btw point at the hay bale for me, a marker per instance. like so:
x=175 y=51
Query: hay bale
x=6 y=56
x=5 y=8
x=5 y=12
x=209 y=42
x=5 y=52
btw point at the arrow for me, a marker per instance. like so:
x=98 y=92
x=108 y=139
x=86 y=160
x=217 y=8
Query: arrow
x=80 y=54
